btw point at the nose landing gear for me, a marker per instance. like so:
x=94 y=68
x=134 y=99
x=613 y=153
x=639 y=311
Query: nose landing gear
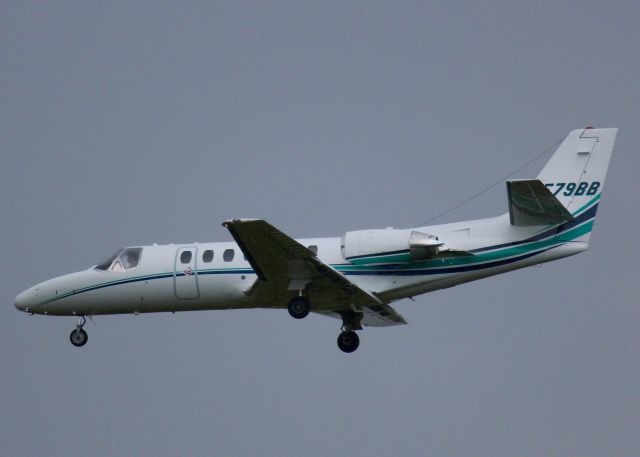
x=78 y=336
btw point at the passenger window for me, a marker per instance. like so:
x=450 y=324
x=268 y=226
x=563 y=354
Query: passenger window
x=207 y=256
x=228 y=255
x=185 y=257
x=313 y=248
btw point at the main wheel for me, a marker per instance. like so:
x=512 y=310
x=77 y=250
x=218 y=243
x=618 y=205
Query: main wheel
x=78 y=337
x=299 y=307
x=348 y=341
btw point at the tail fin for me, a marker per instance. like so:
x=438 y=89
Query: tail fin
x=575 y=174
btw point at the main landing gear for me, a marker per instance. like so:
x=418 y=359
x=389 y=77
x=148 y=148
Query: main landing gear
x=348 y=340
x=299 y=307
x=78 y=336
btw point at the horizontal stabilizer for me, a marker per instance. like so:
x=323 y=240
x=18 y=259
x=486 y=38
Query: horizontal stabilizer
x=532 y=203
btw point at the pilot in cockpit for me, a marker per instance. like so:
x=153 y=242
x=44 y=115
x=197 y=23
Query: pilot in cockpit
x=122 y=260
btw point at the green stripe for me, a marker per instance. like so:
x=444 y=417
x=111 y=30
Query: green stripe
x=406 y=257
x=593 y=200
x=486 y=257
x=388 y=258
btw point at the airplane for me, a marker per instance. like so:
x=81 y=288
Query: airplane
x=355 y=277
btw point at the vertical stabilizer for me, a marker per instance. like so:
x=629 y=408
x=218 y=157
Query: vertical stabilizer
x=576 y=173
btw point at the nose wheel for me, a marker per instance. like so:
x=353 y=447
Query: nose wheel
x=78 y=336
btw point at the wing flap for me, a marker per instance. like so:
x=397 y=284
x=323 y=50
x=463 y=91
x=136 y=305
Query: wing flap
x=381 y=316
x=373 y=316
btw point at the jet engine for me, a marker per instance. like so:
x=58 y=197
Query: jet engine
x=389 y=246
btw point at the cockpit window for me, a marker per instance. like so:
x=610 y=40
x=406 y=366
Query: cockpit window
x=124 y=259
x=130 y=257
x=106 y=263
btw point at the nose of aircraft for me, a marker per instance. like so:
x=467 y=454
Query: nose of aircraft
x=25 y=299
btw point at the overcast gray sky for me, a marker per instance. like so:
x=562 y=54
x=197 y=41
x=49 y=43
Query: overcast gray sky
x=129 y=123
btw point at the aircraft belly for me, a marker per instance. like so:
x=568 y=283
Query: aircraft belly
x=224 y=291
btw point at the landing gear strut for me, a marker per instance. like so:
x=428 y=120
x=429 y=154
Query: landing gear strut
x=78 y=336
x=299 y=307
x=348 y=340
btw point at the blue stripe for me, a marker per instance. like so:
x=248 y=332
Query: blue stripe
x=590 y=213
x=460 y=269
x=244 y=271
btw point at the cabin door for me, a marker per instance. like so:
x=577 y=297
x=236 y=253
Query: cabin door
x=185 y=273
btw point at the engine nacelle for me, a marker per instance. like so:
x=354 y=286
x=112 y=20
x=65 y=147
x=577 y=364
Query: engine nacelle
x=390 y=246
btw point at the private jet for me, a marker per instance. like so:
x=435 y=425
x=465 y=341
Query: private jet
x=355 y=277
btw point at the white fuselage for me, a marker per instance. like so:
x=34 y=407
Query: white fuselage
x=163 y=282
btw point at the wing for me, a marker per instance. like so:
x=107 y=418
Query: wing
x=284 y=266
x=532 y=203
